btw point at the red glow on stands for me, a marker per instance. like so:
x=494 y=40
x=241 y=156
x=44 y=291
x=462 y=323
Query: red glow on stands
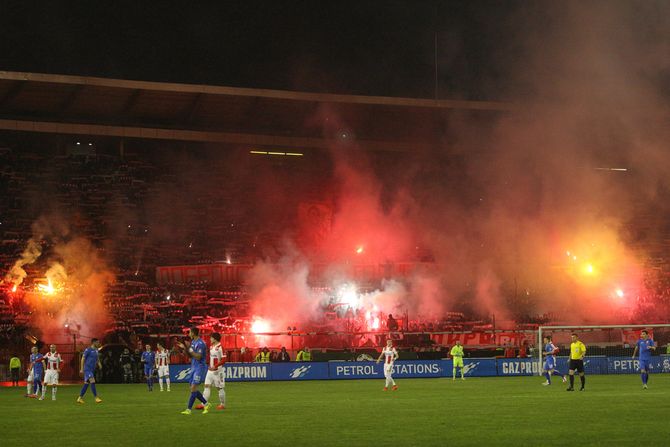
x=260 y=326
x=14 y=288
x=348 y=295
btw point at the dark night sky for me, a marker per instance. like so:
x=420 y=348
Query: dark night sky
x=361 y=47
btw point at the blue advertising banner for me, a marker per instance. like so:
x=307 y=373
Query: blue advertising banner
x=179 y=373
x=530 y=367
x=300 y=371
x=518 y=367
x=244 y=372
x=372 y=370
x=627 y=365
x=472 y=368
x=235 y=372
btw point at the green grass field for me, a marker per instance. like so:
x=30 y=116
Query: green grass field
x=423 y=412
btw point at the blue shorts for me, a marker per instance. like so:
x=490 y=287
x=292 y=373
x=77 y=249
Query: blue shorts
x=644 y=364
x=549 y=363
x=88 y=375
x=197 y=375
x=148 y=371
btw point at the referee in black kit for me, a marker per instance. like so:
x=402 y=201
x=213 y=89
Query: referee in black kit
x=577 y=353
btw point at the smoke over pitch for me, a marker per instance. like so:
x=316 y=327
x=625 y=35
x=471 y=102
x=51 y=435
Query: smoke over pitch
x=500 y=208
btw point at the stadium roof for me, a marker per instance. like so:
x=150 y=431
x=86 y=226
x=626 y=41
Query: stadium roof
x=79 y=105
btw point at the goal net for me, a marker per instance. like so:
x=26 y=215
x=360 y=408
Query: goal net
x=609 y=349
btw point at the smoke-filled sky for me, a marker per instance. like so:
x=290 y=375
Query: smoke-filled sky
x=499 y=207
x=590 y=83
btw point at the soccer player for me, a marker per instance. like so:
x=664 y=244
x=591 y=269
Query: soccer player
x=577 y=353
x=163 y=365
x=215 y=374
x=198 y=353
x=390 y=356
x=29 y=379
x=457 y=356
x=645 y=345
x=36 y=369
x=550 y=361
x=53 y=360
x=89 y=361
x=149 y=359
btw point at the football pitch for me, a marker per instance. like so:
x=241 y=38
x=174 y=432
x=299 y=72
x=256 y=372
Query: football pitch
x=511 y=411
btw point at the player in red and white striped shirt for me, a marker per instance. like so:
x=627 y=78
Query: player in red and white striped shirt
x=53 y=362
x=390 y=356
x=163 y=365
x=215 y=374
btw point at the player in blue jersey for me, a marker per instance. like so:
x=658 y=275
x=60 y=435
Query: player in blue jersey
x=36 y=369
x=550 y=350
x=645 y=345
x=149 y=358
x=89 y=361
x=198 y=353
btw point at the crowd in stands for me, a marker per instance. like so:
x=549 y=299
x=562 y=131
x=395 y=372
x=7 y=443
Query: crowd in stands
x=107 y=199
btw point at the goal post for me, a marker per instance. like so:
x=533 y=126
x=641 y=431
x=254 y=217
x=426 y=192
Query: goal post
x=612 y=343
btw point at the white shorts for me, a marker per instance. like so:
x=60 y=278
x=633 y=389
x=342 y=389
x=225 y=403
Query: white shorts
x=30 y=376
x=51 y=377
x=388 y=368
x=215 y=378
x=163 y=371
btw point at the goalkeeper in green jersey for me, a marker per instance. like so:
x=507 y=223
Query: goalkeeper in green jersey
x=457 y=355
